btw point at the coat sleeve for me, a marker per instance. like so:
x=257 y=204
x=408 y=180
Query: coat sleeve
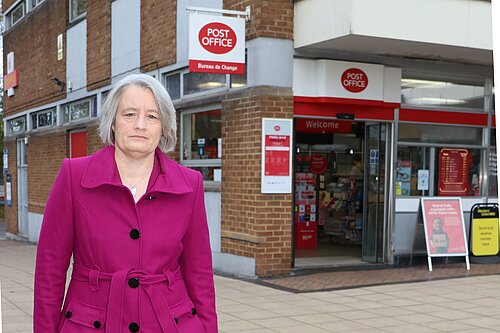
x=196 y=263
x=54 y=250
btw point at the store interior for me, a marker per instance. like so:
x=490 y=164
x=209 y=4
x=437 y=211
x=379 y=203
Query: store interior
x=329 y=193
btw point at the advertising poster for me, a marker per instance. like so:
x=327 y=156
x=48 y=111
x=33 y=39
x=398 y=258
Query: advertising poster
x=454 y=172
x=485 y=230
x=276 y=155
x=444 y=227
x=403 y=177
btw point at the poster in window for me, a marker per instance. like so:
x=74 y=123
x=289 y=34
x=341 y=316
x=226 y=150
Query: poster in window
x=454 y=167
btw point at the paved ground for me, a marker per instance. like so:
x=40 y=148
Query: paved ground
x=468 y=304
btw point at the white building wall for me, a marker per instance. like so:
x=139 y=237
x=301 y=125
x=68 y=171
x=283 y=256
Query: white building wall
x=465 y=23
x=76 y=57
x=125 y=37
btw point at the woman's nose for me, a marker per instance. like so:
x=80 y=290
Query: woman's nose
x=140 y=122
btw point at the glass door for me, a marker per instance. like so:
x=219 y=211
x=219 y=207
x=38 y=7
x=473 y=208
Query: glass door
x=374 y=220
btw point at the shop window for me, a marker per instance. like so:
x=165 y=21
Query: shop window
x=426 y=93
x=77 y=9
x=201 y=142
x=438 y=171
x=16 y=126
x=200 y=82
x=173 y=85
x=79 y=110
x=44 y=119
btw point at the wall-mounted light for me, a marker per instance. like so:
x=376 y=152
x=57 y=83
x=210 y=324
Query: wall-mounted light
x=60 y=83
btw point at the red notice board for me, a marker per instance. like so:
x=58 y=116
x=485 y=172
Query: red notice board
x=454 y=172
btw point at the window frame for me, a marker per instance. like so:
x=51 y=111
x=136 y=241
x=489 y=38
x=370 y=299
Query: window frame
x=10 y=121
x=185 y=71
x=195 y=163
x=53 y=123
x=78 y=17
x=34 y=3
x=11 y=12
x=90 y=100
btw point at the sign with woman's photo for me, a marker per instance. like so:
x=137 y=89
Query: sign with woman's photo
x=444 y=227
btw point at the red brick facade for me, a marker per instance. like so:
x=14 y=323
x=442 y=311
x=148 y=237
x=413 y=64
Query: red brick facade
x=268 y=18
x=158 y=34
x=254 y=225
x=98 y=43
x=47 y=162
x=34 y=43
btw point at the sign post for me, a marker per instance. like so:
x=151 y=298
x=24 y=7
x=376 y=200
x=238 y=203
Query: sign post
x=276 y=155
x=444 y=228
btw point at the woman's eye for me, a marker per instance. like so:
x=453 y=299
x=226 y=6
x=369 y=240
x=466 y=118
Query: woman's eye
x=129 y=114
x=152 y=117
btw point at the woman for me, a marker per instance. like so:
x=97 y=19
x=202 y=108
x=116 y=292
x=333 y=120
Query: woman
x=134 y=222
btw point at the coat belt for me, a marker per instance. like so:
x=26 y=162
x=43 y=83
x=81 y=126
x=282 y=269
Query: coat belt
x=149 y=282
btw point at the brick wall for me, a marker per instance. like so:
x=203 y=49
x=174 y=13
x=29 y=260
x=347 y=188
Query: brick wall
x=254 y=224
x=158 y=34
x=11 y=211
x=98 y=43
x=268 y=18
x=94 y=142
x=45 y=155
x=34 y=42
x=6 y=4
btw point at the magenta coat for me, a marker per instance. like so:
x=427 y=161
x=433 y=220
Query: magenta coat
x=142 y=267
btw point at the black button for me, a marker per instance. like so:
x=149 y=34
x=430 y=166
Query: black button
x=193 y=311
x=176 y=320
x=133 y=283
x=133 y=327
x=135 y=234
x=97 y=324
x=68 y=314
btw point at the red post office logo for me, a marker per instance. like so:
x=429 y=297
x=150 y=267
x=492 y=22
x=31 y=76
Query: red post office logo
x=277 y=128
x=217 y=38
x=354 y=80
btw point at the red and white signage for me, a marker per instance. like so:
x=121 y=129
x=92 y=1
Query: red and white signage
x=11 y=80
x=354 y=80
x=216 y=44
x=305 y=125
x=444 y=228
x=454 y=167
x=276 y=156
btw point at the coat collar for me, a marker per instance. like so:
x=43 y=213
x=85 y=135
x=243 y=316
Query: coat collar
x=102 y=170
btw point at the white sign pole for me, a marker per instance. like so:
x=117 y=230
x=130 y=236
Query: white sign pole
x=495 y=16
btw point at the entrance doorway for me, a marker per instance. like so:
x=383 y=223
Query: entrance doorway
x=339 y=192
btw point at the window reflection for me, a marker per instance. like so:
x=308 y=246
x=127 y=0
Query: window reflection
x=437 y=93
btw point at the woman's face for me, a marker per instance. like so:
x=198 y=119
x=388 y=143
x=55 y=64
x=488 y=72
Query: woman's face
x=137 y=126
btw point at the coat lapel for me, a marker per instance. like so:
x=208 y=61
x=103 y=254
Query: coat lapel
x=102 y=170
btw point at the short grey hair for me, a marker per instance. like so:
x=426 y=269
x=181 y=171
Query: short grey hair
x=163 y=102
